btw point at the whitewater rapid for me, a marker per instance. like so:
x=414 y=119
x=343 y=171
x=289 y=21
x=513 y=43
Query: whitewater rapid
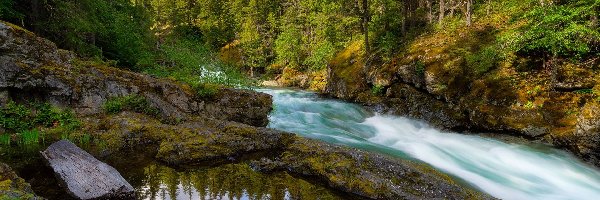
x=503 y=170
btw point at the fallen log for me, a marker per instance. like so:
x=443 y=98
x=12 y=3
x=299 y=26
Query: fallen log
x=83 y=176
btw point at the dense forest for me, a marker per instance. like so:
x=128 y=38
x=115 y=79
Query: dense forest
x=303 y=35
x=417 y=99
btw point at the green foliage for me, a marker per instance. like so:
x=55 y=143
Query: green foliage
x=7 y=10
x=287 y=45
x=562 y=29
x=135 y=103
x=5 y=139
x=420 y=68
x=194 y=63
x=206 y=90
x=113 y=29
x=584 y=91
x=377 y=90
x=24 y=121
x=30 y=137
x=15 y=117
x=483 y=60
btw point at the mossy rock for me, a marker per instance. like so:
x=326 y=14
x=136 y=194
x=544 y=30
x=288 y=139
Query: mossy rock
x=14 y=187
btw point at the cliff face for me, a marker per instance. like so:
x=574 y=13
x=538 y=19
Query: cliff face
x=431 y=81
x=33 y=68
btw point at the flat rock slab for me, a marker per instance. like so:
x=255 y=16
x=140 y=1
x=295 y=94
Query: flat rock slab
x=84 y=176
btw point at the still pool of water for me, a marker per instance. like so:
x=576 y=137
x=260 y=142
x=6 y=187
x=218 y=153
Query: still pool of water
x=155 y=181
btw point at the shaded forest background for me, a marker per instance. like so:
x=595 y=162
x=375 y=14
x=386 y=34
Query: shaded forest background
x=174 y=37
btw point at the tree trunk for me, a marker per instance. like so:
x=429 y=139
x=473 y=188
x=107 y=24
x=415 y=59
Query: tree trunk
x=404 y=16
x=442 y=11
x=365 y=19
x=469 y=11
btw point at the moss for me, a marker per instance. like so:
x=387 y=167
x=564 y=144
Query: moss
x=18 y=28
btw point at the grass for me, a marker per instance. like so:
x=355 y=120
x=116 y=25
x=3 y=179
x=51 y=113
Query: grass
x=5 y=139
x=133 y=102
x=29 y=138
x=27 y=124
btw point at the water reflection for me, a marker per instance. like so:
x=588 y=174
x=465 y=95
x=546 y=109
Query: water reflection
x=230 y=181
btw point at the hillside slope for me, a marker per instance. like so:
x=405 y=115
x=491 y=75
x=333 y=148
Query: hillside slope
x=461 y=78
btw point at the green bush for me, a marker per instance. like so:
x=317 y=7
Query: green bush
x=7 y=10
x=24 y=122
x=15 y=117
x=206 y=90
x=483 y=61
x=377 y=90
x=135 y=103
x=420 y=68
x=562 y=29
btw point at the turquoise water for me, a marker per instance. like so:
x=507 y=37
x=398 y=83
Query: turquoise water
x=503 y=170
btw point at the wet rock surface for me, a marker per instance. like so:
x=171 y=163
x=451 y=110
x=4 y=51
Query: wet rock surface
x=83 y=176
x=440 y=90
x=371 y=175
x=350 y=170
x=13 y=186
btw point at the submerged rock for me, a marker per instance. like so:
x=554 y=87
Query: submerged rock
x=13 y=186
x=83 y=176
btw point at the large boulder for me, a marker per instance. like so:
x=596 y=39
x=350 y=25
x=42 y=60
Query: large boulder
x=83 y=176
x=32 y=67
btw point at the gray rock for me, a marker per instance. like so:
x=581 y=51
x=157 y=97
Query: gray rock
x=32 y=67
x=83 y=176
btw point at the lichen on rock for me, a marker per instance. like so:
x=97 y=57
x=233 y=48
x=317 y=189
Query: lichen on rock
x=13 y=186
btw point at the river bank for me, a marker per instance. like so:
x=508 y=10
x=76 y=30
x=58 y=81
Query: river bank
x=113 y=110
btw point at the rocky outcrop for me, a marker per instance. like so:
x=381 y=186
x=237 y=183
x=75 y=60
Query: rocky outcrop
x=354 y=171
x=32 y=67
x=197 y=140
x=585 y=142
x=371 y=175
x=438 y=87
x=13 y=186
x=83 y=176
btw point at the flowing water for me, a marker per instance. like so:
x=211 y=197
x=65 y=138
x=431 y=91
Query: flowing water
x=506 y=171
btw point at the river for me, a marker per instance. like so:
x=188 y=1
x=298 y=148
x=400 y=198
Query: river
x=501 y=169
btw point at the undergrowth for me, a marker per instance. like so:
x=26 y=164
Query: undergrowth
x=135 y=103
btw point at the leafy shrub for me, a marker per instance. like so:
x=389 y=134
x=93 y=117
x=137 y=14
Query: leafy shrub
x=377 y=90
x=24 y=120
x=206 y=90
x=563 y=29
x=483 y=61
x=15 y=117
x=420 y=68
x=5 y=139
x=135 y=103
x=194 y=63
x=7 y=11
